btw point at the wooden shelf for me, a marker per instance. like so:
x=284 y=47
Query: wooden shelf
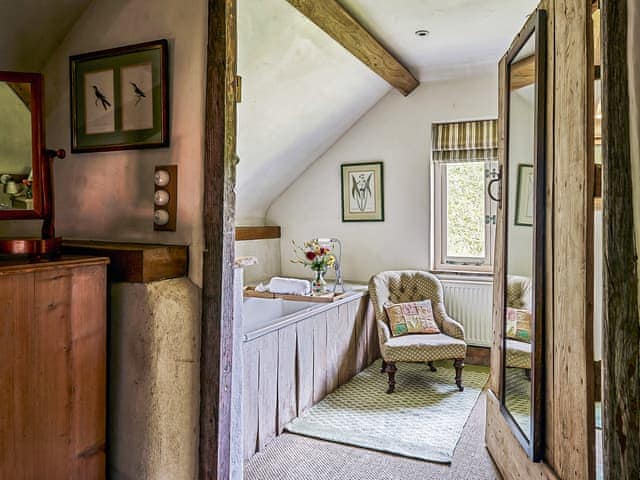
x=135 y=262
x=257 y=233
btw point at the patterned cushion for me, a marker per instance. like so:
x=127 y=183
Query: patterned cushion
x=518 y=354
x=518 y=323
x=411 y=317
x=423 y=348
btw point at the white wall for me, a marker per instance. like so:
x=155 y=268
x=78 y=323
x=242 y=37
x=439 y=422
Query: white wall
x=109 y=196
x=397 y=131
x=519 y=238
x=268 y=254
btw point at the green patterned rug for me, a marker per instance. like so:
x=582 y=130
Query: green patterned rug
x=422 y=419
x=518 y=398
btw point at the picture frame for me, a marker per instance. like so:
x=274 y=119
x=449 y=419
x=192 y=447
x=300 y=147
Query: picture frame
x=524 y=196
x=362 y=187
x=119 y=98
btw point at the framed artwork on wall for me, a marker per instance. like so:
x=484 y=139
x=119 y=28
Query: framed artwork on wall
x=119 y=98
x=362 y=192
x=524 y=196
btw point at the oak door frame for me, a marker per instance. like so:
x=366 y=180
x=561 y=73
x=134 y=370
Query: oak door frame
x=216 y=345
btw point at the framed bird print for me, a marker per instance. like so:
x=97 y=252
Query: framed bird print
x=119 y=98
x=362 y=192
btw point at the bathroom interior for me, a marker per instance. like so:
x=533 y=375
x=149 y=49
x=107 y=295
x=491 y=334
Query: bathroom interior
x=399 y=264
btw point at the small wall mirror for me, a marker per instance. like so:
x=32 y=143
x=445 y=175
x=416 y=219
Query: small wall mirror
x=524 y=224
x=22 y=173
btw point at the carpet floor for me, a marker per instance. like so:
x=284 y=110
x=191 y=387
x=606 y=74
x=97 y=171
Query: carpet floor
x=294 y=457
x=423 y=419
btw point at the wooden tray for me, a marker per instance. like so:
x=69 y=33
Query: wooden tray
x=250 y=291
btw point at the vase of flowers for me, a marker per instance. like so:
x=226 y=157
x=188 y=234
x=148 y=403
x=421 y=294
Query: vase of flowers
x=319 y=259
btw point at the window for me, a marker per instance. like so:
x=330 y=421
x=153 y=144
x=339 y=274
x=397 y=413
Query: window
x=464 y=156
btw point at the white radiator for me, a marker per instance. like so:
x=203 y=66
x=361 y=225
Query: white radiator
x=471 y=303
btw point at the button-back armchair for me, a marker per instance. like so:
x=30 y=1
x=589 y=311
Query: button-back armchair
x=518 y=353
x=412 y=286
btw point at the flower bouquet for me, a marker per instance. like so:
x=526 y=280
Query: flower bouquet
x=318 y=258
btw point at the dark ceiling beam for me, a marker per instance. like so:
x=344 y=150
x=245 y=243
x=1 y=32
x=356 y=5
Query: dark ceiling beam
x=331 y=17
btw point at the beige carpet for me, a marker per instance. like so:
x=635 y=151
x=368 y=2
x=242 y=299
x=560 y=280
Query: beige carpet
x=293 y=457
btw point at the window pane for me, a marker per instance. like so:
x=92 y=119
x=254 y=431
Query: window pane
x=465 y=210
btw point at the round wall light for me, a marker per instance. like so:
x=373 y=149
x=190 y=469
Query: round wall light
x=161 y=198
x=162 y=178
x=160 y=217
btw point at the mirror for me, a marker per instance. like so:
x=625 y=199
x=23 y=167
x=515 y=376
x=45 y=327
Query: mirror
x=22 y=181
x=524 y=224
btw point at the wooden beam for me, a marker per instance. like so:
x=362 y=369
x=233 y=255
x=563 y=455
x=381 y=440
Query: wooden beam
x=340 y=25
x=523 y=73
x=257 y=233
x=216 y=338
x=621 y=322
x=22 y=91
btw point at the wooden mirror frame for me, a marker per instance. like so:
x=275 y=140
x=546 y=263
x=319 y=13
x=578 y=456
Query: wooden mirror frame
x=536 y=25
x=41 y=172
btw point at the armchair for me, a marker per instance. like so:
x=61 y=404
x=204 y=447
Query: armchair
x=411 y=286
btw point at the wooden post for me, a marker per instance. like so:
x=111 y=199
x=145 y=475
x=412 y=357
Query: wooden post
x=621 y=327
x=219 y=218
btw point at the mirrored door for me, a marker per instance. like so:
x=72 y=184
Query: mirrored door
x=524 y=234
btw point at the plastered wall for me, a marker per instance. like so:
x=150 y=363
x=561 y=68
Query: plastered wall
x=397 y=132
x=109 y=196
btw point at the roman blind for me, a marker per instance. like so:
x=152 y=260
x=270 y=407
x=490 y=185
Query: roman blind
x=470 y=141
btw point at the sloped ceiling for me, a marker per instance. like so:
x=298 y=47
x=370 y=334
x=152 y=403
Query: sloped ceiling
x=31 y=30
x=302 y=91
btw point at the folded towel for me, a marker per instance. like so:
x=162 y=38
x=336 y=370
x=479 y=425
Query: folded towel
x=291 y=286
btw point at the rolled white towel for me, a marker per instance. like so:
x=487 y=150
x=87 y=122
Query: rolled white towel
x=290 y=286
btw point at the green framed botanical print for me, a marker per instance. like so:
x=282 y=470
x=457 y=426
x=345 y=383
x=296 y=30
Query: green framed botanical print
x=119 y=98
x=362 y=192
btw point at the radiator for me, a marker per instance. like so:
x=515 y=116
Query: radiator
x=470 y=303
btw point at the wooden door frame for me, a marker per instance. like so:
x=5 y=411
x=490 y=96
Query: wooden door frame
x=621 y=324
x=216 y=345
x=569 y=426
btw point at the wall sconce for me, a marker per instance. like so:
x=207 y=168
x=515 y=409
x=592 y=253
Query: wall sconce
x=165 y=198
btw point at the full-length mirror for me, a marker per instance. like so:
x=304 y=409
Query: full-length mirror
x=21 y=150
x=524 y=222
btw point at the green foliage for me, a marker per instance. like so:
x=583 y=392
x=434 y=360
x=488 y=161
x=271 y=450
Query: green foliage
x=465 y=210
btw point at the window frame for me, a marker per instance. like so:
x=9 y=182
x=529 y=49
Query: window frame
x=441 y=262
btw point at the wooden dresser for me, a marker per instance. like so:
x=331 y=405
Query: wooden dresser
x=53 y=335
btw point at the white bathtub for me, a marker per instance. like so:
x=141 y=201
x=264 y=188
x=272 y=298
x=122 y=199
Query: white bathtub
x=261 y=313
x=261 y=316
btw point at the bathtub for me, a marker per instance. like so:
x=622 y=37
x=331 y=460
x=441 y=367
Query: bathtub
x=261 y=316
x=295 y=353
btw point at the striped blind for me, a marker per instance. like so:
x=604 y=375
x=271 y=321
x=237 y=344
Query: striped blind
x=474 y=141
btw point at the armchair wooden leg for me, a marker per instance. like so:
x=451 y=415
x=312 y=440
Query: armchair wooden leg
x=458 y=363
x=391 y=369
x=431 y=367
x=384 y=367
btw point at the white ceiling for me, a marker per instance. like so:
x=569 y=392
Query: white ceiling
x=31 y=30
x=300 y=92
x=465 y=34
